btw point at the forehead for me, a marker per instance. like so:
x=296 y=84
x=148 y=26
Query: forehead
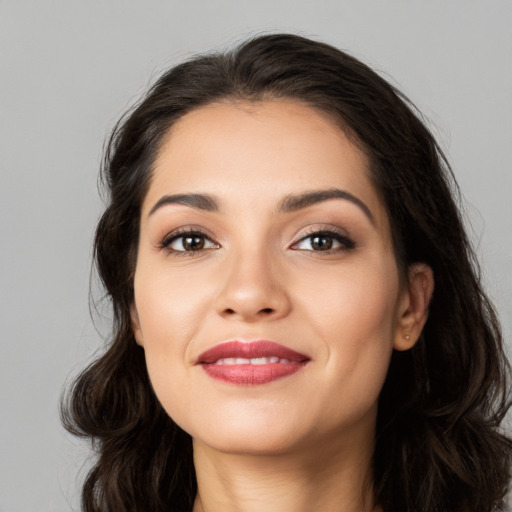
x=259 y=152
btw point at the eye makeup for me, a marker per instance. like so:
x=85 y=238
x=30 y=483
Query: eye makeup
x=325 y=240
x=188 y=241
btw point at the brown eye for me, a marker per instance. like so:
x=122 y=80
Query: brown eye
x=188 y=242
x=323 y=241
x=193 y=243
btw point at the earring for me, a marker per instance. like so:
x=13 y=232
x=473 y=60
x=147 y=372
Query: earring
x=407 y=337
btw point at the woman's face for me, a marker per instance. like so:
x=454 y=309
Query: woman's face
x=261 y=225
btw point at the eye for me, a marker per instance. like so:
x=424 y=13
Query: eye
x=324 y=241
x=188 y=242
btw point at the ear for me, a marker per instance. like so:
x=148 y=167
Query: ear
x=413 y=310
x=137 y=332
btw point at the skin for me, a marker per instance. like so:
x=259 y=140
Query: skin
x=303 y=442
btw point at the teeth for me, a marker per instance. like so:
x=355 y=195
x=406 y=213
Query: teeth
x=254 y=360
x=260 y=360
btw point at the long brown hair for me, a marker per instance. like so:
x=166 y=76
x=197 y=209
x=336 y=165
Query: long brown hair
x=439 y=446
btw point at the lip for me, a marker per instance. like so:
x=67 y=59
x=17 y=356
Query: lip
x=212 y=361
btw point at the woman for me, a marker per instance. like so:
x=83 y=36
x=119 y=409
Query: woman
x=299 y=322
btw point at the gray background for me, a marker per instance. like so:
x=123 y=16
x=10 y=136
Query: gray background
x=68 y=70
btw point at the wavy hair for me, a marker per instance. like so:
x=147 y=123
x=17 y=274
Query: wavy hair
x=439 y=444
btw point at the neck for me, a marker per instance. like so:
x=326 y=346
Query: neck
x=330 y=478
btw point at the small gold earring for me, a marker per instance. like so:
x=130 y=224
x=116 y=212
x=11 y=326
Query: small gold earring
x=407 y=337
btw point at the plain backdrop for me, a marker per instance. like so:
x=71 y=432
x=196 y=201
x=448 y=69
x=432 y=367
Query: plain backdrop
x=68 y=70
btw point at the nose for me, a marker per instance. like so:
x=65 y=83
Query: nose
x=253 y=289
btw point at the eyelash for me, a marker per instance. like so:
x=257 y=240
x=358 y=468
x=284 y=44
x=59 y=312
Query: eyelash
x=183 y=233
x=346 y=243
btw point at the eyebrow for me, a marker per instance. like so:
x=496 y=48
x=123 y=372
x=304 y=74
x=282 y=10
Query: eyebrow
x=290 y=203
x=293 y=203
x=197 y=201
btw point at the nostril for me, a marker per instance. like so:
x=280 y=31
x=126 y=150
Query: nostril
x=267 y=310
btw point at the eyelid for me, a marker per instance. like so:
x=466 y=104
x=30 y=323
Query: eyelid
x=329 y=230
x=182 y=231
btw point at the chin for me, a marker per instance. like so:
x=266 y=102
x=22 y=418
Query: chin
x=245 y=433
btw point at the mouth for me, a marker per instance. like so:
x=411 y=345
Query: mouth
x=250 y=363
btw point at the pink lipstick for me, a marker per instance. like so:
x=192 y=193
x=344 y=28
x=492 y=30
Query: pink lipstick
x=256 y=362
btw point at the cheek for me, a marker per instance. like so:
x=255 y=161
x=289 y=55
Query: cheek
x=170 y=306
x=356 y=322
x=171 y=309
x=357 y=302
